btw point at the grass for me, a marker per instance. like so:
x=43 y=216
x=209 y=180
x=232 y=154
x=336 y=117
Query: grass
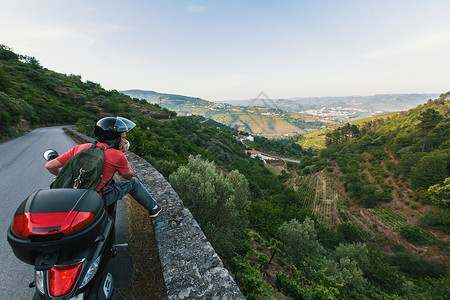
x=314 y=139
x=148 y=279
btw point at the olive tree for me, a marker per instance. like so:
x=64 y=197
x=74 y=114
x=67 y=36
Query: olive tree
x=218 y=202
x=300 y=239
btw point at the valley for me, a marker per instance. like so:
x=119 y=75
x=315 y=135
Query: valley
x=264 y=121
x=280 y=118
x=361 y=213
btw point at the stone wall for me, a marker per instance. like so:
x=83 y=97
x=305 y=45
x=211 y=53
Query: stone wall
x=191 y=267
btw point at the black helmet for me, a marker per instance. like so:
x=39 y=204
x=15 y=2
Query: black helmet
x=108 y=130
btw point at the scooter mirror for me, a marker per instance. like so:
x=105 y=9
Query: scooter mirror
x=50 y=154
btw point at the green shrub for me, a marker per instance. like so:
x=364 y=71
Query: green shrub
x=417 y=266
x=288 y=286
x=263 y=260
x=343 y=216
x=414 y=235
x=249 y=279
x=348 y=232
x=85 y=126
x=438 y=220
x=166 y=167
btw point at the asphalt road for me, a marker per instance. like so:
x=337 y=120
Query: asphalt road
x=21 y=173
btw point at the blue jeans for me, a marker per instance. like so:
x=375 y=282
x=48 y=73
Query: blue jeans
x=133 y=187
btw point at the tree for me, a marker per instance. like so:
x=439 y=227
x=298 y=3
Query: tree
x=28 y=112
x=342 y=134
x=431 y=169
x=428 y=120
x=218 y=202
x=5 y=82
x=11 y=110
x=6 y=53
x=440 y=193
x=301 y=239
x=355 y=251
x=348 y=232
x=383 y=274
x=346 y=274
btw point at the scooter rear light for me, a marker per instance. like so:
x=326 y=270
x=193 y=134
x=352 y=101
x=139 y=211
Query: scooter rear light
x=51 y=223
x=62 y=279
x=39 y=279
x=90 y=273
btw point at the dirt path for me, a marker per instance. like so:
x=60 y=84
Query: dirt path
x=335 y=214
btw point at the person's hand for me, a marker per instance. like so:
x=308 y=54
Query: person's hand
x=125 y=146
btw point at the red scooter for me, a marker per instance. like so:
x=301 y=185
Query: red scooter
x=68 y=235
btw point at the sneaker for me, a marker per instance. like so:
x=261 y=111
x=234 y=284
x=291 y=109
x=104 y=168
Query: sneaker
x=154 y=212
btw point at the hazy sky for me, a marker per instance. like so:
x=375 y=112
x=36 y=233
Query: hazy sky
x=222 y=50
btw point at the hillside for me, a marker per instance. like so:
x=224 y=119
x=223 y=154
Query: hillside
x=316 y=139
x=390 y=175
x=32 y=95
x=265 y=121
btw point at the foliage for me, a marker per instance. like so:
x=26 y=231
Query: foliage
x=431 y=169
x=166 y=167
x=355 y=251
x=342 y=134
x=438 y=220
x=346 y=274
x=218 y=202
x=348 y=232
x=289 y=286
x=416 y=266
x=440 y=193
x=85 y=126
x=249 y=278
x=317 y=285
x=435 y=288
x=282 y=147
x=415 y=235
x=382 y=274
x=418 y=139
x=11 y=111
x=301 y=239
x=428 y=120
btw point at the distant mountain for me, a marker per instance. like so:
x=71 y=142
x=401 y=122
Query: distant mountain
x=267 y=121
x=170 y=100
x=342 y=108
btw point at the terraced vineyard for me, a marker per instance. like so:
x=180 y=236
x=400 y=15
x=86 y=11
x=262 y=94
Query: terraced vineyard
x=319 y=194
x=398 y=223
x=389 y=217
x=306 y=189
